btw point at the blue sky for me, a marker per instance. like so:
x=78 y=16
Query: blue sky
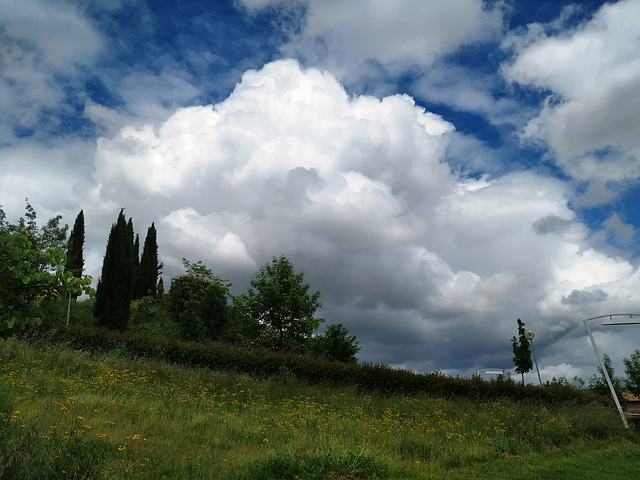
x=438 y=169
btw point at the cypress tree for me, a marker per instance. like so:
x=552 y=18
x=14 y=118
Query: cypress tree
x=136 y=266
x=75 y=259
x=115 y=286
x=149 y=266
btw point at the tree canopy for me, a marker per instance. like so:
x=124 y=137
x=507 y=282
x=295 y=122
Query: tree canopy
x=32 y=269
x=75 y=246
x=336 y=344
x=521 y=351
x=115 y=286
x=149 y=268
x=200 y=302
x=598 y=382
x=632 y=369
x=279 y=299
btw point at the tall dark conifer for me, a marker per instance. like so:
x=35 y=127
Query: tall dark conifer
x=75 y=245
x=136 y=266
x=149 y=267
x=115 y=286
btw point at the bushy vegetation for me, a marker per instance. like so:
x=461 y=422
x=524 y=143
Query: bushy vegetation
x=263 y=363
x=39 y=267
x=32 y=270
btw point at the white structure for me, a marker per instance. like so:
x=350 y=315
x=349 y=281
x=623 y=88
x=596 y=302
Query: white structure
x=606 y=320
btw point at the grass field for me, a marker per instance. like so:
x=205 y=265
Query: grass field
x=70 y=414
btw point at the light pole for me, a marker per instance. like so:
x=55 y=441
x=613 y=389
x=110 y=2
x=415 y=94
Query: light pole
x=624 y=321
x=68 y=309
x=529 y=334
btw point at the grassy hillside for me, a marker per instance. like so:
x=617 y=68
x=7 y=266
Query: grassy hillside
x=70 y=414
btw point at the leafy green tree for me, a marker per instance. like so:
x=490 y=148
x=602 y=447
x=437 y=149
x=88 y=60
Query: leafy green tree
x=598 y=382
x=51 y=235
x=115 y=286
x=242 y=329
x=632 y=369
x=32 y=270
x=279 y=299
x=191 y=325
x=336 y=344
x=183 y=289
x=149 y=268
x=197 y=269
x=214 y=309
x=521 y=351
x=200 y=302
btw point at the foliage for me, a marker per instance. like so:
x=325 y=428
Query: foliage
x=598 y=382
x=183 y=289
x=264 y=363
x=191 y=325
x=575 y=382
x=336 y=344
x=242 y=329
x=279 y=299
x=151 y=315
x=632 y=370
x=521 y=351
x=32 y=270
x=75 y=257
x=160 y=288
x=214 y=309
x=149 y=268
x=116 y=284
x=197 y=270
x=200 y=302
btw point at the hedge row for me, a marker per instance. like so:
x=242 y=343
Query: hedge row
x=371 y=378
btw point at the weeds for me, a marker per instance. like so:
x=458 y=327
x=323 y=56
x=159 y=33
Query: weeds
x=70 y=414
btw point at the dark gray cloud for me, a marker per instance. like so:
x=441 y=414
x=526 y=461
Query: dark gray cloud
x=551 y=224
x=584 y=297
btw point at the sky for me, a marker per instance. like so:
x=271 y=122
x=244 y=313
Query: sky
x=437 y=169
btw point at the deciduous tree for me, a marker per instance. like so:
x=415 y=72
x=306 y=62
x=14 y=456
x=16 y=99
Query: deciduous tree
x=598 y=382
x=521 y=351
x=336 y=344
x=32 y=269
x=199 y=302
x=279 y=298
x=632 y=369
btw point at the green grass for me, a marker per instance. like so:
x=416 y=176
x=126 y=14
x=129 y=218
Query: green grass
x=70 y=414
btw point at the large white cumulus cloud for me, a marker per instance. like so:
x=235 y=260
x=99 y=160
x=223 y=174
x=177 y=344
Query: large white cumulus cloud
x=356 y=190
x=590 y=120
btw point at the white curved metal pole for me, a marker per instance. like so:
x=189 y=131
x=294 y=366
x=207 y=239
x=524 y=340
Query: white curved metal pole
x=604 y=369
x=535 y=360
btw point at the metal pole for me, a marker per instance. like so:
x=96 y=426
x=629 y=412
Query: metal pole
x=535 y=360
x=68 y=310
x=604 y=370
